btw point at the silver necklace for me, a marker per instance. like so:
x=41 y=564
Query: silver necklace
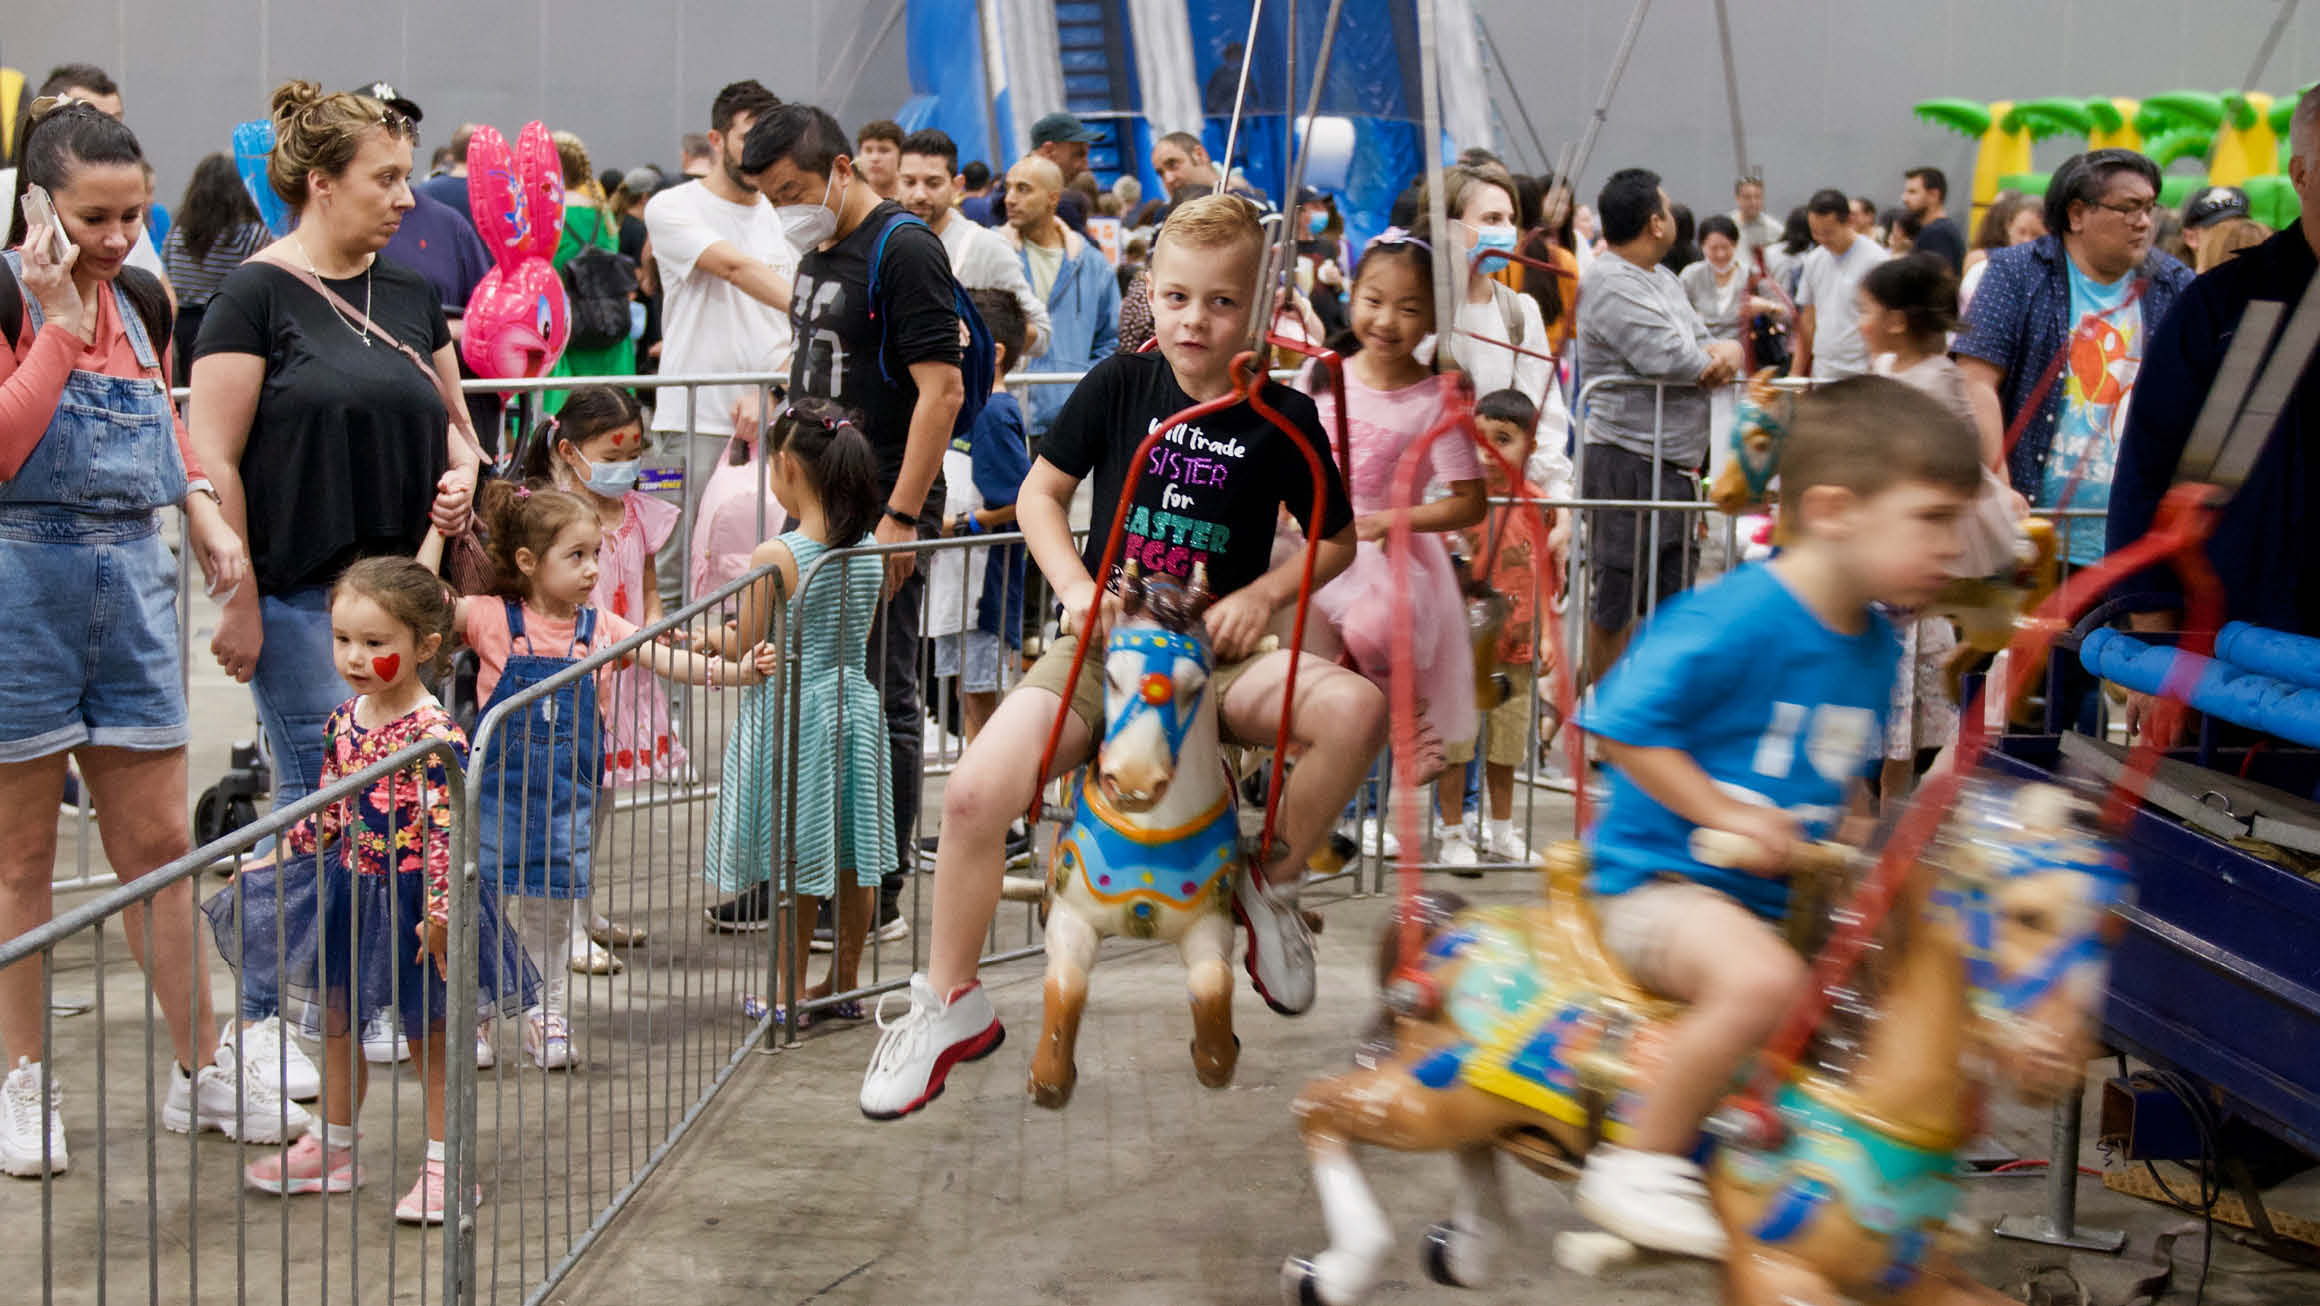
x=363 y=332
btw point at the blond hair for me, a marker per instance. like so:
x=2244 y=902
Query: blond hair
x=319 y=133
x=1212 y=222
x=580 y=175
x=2227 y=238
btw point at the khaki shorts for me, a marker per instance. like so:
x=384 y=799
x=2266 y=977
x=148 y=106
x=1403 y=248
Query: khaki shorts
x=1508 y=726
x=1087 y=697
x=1636 y=925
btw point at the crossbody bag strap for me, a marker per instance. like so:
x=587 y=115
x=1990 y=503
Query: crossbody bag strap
x=453 y=402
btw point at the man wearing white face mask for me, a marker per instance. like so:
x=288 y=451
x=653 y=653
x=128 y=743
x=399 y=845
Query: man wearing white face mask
x=877 y=331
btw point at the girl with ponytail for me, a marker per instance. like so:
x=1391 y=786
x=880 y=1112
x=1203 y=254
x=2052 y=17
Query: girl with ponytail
x=826 y=476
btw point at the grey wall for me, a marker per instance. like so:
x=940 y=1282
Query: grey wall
x=629 y=77
x=1825 y=84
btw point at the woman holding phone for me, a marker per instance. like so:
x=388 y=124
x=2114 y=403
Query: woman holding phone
x=91 y=451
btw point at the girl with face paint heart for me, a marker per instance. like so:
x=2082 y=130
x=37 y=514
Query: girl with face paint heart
x=362 y=905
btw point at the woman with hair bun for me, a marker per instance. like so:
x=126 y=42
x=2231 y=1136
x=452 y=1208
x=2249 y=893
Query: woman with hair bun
x=329 y=441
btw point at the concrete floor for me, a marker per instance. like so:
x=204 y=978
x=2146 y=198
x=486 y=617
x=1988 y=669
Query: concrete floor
x=1149 y=1188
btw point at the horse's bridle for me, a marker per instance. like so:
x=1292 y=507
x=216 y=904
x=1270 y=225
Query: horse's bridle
x=1156 y=689
x=1969 y=900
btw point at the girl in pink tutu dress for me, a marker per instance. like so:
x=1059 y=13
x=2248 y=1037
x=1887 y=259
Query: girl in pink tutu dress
x=1391 y=400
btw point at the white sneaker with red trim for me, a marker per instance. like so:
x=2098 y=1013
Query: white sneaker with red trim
x=916 y=1052
x=1280 y=957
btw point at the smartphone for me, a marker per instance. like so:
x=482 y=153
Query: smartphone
x=40 y=210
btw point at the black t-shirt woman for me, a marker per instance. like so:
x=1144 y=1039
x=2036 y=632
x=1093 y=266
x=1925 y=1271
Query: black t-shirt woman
x=326 y=444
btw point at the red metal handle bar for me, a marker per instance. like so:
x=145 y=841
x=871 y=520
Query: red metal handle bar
x=1330 y=361
x=1457 y=416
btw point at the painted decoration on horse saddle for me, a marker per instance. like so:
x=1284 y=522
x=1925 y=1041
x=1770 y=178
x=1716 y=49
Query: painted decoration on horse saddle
x=1143 y=869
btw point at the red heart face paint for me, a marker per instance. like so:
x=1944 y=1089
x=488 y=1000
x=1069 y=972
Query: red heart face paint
x=386 y=667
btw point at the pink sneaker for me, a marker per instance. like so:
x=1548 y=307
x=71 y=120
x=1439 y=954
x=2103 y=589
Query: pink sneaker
x=424 y=1203
x=306 y=1166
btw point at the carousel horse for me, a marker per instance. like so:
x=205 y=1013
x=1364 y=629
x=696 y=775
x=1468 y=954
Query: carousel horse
x=1524 y=1036
x=1154 y=839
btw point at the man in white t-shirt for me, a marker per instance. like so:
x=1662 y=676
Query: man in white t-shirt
x=725 y=272
x=929 y=187
x=1828 y=334
x=1758 y=230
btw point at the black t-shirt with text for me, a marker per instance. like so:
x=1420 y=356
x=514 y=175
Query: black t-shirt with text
x=1211 y=490
x=838 y=338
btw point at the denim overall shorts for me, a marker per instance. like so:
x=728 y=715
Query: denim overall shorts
x=536 y=806
x=88 y=583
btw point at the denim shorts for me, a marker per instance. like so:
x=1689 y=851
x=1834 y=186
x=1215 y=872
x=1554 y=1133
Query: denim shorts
x=94 y=658
x=983 y=656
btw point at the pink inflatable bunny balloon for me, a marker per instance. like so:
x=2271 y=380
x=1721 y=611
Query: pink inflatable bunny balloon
x=517 y=320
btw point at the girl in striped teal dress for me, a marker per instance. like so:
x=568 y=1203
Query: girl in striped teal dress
x=842 y=825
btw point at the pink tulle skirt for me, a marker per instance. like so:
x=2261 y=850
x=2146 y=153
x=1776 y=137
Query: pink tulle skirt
x=1359 y=606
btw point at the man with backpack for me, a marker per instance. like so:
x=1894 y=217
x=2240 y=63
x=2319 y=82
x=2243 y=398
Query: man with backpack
x=882 y=328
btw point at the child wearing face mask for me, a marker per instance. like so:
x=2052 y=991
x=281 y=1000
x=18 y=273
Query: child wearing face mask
x=594 y=448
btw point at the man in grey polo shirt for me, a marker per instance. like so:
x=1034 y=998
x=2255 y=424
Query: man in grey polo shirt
x=1636 y=322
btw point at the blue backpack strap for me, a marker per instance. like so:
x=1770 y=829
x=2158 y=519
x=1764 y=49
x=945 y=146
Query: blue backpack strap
x=878 y=255
x=877 y=260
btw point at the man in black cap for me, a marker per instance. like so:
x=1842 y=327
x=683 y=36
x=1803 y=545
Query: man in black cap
x=1063 y=141
x=2206 y=208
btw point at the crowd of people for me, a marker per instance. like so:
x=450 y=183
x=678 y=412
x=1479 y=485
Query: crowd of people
x=330 y=474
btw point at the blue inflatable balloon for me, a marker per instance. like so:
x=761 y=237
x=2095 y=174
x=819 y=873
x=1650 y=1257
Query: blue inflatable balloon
x=253 y=146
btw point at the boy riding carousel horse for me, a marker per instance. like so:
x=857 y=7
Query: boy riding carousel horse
x=1754 y=706
x=1209 y=495
x=1559 y=1032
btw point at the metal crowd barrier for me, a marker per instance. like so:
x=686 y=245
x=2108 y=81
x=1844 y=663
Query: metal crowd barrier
x=137 y=1213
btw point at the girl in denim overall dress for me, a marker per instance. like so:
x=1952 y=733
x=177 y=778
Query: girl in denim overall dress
x=90 y=451
x=543 y=750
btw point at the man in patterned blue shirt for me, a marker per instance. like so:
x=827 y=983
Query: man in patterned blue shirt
x=1755 y=706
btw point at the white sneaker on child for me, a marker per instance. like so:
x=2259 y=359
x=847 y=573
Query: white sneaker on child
x=1651 y=1199
x=207 y=1099
x=1280 y=960
x=548 y=1040
x=383 y=1041
x=23 y=1097
x=1506 y=844
x=268 y=1053
x=915 y=1053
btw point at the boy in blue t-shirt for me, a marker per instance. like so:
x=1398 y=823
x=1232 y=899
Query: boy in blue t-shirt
x=999 y=455
x=1755 y=706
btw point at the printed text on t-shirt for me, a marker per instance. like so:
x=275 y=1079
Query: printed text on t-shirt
x=1180 y=532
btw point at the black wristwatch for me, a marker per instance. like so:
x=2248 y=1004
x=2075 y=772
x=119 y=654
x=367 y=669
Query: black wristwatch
x=909 y=519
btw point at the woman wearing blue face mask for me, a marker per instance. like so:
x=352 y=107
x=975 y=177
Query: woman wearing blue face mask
x=1491 y=314
x=1321 y=259
x=593 y=448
